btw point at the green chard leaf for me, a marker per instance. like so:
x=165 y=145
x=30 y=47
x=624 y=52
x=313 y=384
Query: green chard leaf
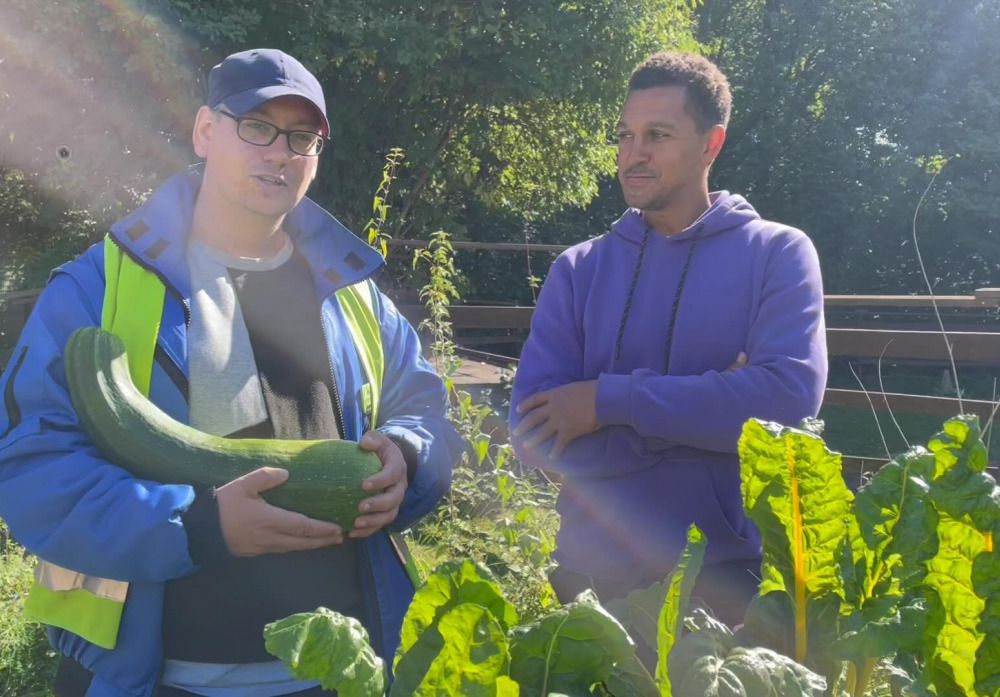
x=629 y=678
x=328 y=647
x=986 y=582
x=793 y=489
x=890 y=535
x=451 y=584
x=671 y=618
x=568 y=650
x=961 y=576
x=466 y=654
x=708 y=663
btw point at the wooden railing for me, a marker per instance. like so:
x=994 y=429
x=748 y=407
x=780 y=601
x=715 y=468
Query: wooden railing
x=969 y=348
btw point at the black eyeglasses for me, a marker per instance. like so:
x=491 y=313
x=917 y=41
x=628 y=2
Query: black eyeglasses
x=262 y=133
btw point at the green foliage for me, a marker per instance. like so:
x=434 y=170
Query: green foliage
x=892 y=532
x=437 y=295
x=374 y=230
x=498 y=514
x=452 y=584
x=793 y=489
x=568 y=650
x=27 y=663
x=671 y=622
x=328 y=647
x=465 y=652
x=709 y=662
x=914 y=579
x=839 y=120
x=967 y=502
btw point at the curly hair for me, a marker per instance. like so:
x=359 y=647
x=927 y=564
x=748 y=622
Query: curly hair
x=708 y=99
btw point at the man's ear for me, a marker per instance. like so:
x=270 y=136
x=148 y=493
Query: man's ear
x=204 y=124
x=714 y=140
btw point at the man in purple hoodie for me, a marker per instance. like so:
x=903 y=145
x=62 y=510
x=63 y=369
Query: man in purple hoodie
x=627 y=387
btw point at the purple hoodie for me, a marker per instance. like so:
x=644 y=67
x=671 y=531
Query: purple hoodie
x=670 y=414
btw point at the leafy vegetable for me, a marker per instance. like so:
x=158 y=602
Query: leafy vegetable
x=967 y=502
x=329 y=647
x=568 y=650
x=708 y=663
x=890 y=534
x=465 y=655
x=671 y=622
x=451 y=584
x=793 y=489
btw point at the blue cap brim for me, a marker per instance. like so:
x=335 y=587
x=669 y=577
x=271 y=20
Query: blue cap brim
x=242 y=102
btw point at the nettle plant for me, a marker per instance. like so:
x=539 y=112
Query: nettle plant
x=498 y=512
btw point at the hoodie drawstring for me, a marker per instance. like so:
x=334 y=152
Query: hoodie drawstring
x=631 y=295
x=677 y=295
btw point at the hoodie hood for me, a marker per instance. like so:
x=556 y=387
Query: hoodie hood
x=727 y=212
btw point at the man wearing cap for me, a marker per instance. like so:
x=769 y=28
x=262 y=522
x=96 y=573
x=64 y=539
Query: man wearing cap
x=250 y=296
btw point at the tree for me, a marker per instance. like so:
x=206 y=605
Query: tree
x=836 y=107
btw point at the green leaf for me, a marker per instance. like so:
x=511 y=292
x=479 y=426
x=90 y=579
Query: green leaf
x=793 y=489
x=629 y=678
x=465 y=656
x=451 y=584
x=770 y=623
x=708 y=663
x=670 y=624
x=967 y=502
x=329 y=647
x=884 y=633
x=507 y=687
x=639 y=613
x=481 y=445
x=986 y=582
x=891 y=535
x=569 y=649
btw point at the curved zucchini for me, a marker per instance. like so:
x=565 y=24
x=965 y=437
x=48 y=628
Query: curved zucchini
x=324 y=476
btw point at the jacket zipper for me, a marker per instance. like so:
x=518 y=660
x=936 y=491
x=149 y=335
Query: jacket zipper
x=338 y=407
x=172 y=370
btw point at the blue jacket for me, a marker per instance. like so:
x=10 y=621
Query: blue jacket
x=69 y=506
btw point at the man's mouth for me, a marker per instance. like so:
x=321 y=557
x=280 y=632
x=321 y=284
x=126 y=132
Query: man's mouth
x=270 y=180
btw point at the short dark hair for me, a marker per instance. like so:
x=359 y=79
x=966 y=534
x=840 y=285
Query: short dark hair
x=708 y=99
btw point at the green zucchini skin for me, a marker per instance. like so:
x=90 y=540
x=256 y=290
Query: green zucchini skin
x=324 y=476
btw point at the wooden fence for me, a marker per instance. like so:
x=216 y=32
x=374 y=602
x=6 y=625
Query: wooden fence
x=923 y=346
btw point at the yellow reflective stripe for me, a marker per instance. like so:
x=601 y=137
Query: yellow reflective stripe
x=89 y=606
x=358 y=305
x=94 y=618
x=56 y=578
x=139 y=294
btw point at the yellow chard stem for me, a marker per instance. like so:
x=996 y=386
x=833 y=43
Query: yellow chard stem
x=865 y=677
x=798 y=553
x=852 y=678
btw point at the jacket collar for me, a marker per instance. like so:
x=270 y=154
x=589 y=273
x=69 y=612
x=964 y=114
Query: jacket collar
x=156 y=236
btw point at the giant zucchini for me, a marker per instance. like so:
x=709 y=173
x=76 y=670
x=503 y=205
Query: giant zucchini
x=324 y=476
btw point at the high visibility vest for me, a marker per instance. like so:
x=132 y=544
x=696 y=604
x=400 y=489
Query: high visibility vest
x=89 y=606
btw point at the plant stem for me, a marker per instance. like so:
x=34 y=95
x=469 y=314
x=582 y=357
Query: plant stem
x=864 y=677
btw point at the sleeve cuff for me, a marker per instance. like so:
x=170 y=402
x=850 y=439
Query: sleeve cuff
x=613 y=406
x=204 y=531
x=411 y=453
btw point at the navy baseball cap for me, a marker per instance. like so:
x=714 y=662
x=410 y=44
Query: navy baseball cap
x=245 y=80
